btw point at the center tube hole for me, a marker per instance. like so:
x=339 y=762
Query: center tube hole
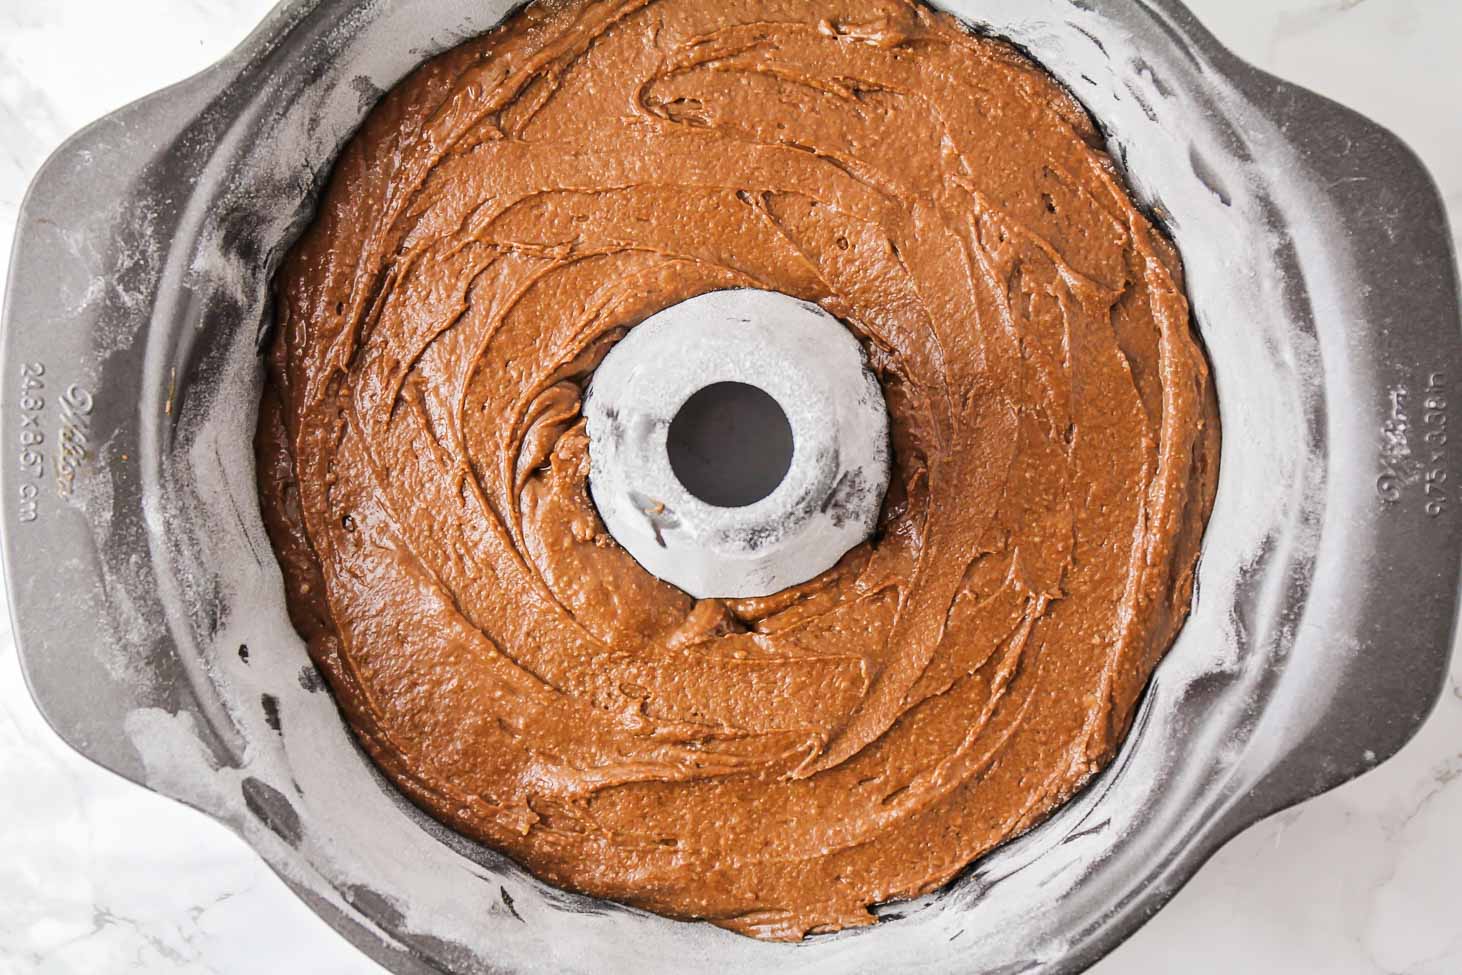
x=730 y=445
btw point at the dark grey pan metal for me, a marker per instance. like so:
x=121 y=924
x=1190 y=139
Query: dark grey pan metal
x=149 y=608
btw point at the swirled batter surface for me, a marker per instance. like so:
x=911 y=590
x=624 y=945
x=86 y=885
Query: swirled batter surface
x=774 y=765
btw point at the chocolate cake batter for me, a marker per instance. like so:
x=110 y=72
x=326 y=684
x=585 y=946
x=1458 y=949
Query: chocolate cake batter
x=773 y=765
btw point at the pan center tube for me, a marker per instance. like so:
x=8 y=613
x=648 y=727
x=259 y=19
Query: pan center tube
x=738 y=443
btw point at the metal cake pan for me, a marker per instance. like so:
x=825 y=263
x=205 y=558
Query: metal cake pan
x=149 y=609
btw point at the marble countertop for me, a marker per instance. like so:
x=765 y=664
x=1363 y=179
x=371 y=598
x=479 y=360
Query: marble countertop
x=99 y=876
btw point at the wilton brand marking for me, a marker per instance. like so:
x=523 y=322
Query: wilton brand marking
x=65 y=454
x=73 y=447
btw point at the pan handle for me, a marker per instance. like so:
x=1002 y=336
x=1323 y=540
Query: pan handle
x=1373 y=648
x=84 y=274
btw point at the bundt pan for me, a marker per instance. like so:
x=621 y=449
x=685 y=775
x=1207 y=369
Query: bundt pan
x=150 y=612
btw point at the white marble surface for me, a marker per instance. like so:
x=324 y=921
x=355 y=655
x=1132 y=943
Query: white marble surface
x=100 y=877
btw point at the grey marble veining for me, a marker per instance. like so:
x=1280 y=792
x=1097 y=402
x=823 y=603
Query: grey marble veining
x=99 y=876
